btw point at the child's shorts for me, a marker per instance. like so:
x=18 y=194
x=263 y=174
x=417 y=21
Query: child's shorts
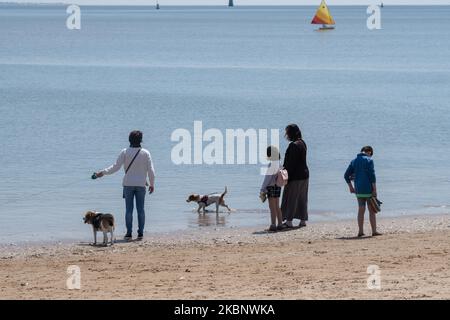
x=273 y=191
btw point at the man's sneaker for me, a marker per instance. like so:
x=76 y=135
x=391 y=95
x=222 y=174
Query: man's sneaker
x=140 y=237
x=127 y=237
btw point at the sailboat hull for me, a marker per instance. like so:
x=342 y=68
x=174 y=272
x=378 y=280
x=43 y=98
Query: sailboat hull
x=326 y=28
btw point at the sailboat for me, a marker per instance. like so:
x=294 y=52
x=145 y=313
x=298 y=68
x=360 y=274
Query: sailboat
x=323 y=17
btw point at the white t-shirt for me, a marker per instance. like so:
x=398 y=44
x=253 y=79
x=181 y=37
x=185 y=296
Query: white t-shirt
x=270 y=178
x=139 y=170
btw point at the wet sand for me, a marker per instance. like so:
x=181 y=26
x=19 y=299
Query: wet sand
x=321 y=261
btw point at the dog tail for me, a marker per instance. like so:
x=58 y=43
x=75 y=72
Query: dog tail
x=223 y=194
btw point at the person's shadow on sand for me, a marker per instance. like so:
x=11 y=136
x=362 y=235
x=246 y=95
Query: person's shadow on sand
x=353 y=238
x=266 y=231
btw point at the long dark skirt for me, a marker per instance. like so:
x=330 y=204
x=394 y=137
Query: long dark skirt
x=295 y=200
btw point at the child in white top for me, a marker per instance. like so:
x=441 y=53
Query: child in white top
x=270 y=190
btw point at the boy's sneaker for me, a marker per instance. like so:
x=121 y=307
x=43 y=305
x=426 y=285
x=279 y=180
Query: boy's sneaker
x=127 y=237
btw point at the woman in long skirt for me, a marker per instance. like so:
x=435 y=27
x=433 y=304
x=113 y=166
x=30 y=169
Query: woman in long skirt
x=294 y=204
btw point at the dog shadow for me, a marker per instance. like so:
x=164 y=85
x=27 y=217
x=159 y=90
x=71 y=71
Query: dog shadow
x=90 y=244
x=101 y=245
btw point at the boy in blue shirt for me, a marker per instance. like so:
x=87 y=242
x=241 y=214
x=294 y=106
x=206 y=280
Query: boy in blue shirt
x=362 y=171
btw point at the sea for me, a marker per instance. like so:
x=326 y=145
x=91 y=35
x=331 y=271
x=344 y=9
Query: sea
x=69 y=98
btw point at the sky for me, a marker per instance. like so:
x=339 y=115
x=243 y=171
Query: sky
x=237 y=2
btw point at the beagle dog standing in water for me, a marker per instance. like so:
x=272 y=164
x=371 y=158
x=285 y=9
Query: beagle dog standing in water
x=204 y=201
x=103 y=222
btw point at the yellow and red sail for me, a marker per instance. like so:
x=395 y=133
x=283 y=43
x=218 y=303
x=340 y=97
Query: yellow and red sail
x=323 y=15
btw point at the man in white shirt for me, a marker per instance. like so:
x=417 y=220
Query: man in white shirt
x=137 y=164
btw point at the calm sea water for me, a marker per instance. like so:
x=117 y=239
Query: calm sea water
x=69 y=99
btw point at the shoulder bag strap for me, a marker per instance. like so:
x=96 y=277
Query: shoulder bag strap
x=134 y=158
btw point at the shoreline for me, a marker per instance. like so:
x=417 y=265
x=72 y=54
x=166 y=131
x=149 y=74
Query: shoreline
x=250 y=6
x=321 y=261
x=201 y=231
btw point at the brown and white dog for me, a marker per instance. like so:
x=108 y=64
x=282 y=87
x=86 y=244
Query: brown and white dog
x=204 y=201
x=103 y=222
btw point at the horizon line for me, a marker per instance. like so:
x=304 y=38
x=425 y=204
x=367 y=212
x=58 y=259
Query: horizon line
x=212 y=5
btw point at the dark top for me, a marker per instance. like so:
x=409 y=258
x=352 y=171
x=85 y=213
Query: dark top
x=295 y=161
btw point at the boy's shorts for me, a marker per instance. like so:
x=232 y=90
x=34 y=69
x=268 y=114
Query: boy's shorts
x=362 y=201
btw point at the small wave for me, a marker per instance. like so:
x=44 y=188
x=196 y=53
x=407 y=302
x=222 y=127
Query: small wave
x=99 y=64
x=324 y=213
x=234 y=210
x=441 y=206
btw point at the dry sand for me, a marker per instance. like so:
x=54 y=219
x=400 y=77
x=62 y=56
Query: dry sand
x=321 y=261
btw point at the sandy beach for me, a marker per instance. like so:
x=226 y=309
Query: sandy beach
x=321 y=261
